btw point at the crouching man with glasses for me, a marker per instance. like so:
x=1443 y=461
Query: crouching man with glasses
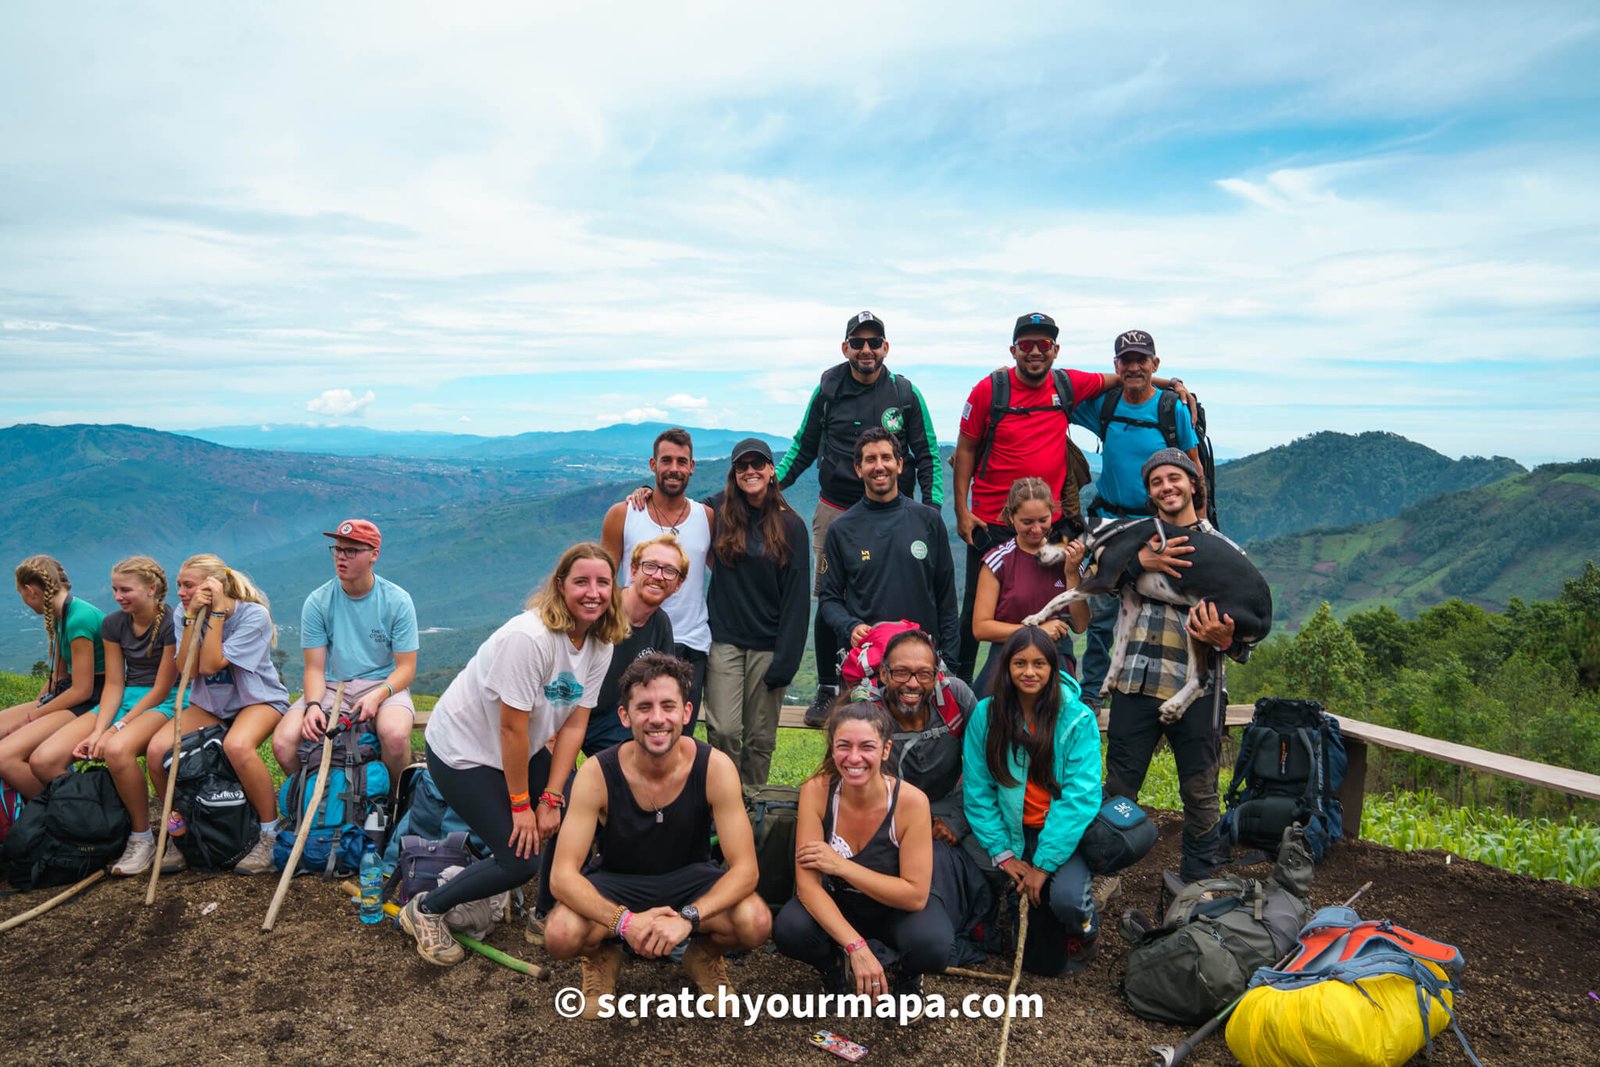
x=360 y=629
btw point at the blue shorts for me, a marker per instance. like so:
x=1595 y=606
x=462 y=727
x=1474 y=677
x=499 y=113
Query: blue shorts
x=132 y=694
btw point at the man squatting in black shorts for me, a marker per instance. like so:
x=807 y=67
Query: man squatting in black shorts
x=650 y=802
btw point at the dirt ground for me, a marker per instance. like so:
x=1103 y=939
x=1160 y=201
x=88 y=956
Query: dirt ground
x=103 y=979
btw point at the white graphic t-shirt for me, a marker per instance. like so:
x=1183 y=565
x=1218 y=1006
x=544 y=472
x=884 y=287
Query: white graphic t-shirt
x=528 y=667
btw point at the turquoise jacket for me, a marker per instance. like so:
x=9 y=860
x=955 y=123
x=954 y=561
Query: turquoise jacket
x=995 y=811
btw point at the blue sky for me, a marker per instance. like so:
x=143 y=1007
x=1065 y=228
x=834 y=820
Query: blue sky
x=499 y=218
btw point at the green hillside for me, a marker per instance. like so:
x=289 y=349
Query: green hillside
x=1337 y=479
x=1518 y=537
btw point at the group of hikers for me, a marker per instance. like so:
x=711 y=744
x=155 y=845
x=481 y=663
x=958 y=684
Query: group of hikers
x=941 y=789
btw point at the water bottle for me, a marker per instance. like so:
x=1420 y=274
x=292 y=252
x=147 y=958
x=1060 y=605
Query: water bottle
x=371 y=885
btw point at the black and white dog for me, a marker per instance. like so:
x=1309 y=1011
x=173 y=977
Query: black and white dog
x=1219 y=573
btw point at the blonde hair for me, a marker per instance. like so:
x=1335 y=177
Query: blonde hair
x=150 y=573
x=661 y=539
x=1022 y=491
x=48 y=575
x=236 y=584
x=552 y=606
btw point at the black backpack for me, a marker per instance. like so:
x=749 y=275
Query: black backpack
x=223 y=827
x=1078 y=473
x=1290 y=767
x=774 y=812
x=75 y=827
x=1167 y=423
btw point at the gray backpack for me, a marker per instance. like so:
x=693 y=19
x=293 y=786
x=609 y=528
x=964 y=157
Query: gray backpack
x=1215 y=934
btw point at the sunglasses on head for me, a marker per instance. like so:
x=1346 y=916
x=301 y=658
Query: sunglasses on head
x=1032 y=345
x=873 y=343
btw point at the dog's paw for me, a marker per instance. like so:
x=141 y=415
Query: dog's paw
x=1172 y=711
x=1035 y=619
x=1052 y=554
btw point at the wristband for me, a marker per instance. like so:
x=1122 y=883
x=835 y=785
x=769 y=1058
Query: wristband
x=389 y=687
x=119 y=724
x=314 y=704
x=622 y=923
x=219 y=614
x=850 y=949
x=552 y=800
x=519 y=798
x=616 y=918
x=519 y=808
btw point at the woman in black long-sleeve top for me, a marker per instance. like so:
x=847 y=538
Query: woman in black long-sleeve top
x=760 y=584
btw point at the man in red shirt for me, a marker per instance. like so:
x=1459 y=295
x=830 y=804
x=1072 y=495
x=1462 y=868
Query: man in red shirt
x=1029 y=439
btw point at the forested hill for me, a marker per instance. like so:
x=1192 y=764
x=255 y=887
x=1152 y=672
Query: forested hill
x=1338 y=479
x=1519 y=537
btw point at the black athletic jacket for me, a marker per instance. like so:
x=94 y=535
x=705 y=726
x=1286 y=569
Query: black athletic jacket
x=890 y=561
x=760 y=605
x=840 y=409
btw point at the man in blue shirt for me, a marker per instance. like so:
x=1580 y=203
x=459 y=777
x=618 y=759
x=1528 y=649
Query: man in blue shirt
x=362 y=630
x=1132 y=424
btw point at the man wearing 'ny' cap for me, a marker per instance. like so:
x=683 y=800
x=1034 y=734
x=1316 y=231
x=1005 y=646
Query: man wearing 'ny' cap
x=1014 y=425
x=851 y=397
x=359 y=629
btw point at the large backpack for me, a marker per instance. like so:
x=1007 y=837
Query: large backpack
x=419 y=861
x=75 y=827
x=774 y=812
x=1167 y=423
x=1291 y=765
x=222 y=826
x=859 y=667
x=1359 y=994
x=423 y=813
x=1216 y=933
x=357 y=782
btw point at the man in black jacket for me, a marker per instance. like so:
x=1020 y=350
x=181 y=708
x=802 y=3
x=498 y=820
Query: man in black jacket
x=887 y=557
x=851 y=397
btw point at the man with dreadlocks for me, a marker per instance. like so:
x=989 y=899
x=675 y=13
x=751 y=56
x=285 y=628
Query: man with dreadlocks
x=77 y=664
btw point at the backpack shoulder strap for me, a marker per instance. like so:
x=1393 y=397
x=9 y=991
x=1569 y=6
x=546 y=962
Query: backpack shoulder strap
x=1108 y=408
x=1247 y=753
x=832 y=382
x=1167 y=417
x=1063 y=382
x=999 y=405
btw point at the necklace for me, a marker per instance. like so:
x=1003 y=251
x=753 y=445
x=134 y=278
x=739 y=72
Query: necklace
x=672 y=526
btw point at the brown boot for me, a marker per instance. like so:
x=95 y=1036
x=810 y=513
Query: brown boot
x=599 y=977
x=706 y=967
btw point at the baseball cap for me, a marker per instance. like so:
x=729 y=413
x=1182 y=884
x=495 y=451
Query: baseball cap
x=748 y=445
x=1169 y=457
x=1136 y=341
x=1035 y=322
x=864 y=318
x=357 y=530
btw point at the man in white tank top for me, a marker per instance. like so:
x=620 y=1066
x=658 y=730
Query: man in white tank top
x=669 y=510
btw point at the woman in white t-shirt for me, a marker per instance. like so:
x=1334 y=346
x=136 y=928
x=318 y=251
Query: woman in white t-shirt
x=534 y=679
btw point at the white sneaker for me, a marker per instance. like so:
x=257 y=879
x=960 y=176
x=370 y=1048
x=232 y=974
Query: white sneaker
x=136 y=858
x=259 y=859
x=172 y=862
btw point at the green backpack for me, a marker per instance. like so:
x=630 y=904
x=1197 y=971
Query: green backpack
x=1215 y=934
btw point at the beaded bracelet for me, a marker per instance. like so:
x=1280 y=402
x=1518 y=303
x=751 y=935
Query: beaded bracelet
x=616 y=919
x=850 y=949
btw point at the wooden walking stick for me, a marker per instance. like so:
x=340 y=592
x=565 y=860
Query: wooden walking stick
x=177 y=750
x=1016 y=976
x=309 y=810
x=66 y=894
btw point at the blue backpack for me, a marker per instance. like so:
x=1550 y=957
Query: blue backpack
x=1290 y=767
x=357 y=781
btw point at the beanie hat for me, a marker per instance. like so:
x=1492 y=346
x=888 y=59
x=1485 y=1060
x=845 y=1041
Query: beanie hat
x=1169 y=457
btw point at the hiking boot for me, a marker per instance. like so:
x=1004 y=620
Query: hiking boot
x=259 y=859
x=136 y=858
x=173 y=861
x=599 y=977
x=1133 y=925
x=817 y=712
x=706 y=967
x=1103 y=888
x=433 y=935
x=1080 y=950
x=534 y=933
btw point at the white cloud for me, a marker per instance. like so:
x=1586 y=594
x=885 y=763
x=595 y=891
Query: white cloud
x=685 y=401
x=632 y=415
x=339 y=402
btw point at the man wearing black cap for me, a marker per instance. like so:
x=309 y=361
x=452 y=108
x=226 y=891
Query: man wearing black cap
x=1132 y=422
x=852 y=396
x=1156 y=666
x=1014 y=425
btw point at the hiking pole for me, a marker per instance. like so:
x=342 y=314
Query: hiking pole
x=1016 y=976
x=532 y=970
x=316 y=798
x=1168 y=1056
x=66 y=894
x=177 y=752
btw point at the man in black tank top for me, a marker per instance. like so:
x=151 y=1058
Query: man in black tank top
x=649 y=804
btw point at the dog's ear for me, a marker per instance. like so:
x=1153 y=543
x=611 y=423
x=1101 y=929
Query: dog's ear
x=1072 y=526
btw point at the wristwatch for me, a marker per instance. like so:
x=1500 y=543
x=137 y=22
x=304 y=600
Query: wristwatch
x=691 y=913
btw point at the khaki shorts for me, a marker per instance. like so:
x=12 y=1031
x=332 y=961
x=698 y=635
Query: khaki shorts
x=354 y=691
x=821 y=519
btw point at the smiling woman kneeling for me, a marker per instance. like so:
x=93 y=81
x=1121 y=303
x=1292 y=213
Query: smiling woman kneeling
x=863 y=864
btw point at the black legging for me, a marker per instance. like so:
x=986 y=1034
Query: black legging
x=922 y=939
x=479 y=795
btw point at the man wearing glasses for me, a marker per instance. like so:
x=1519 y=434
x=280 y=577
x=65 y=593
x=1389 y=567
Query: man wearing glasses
x=851 y=397
x=1014 y=425
x=360 y=629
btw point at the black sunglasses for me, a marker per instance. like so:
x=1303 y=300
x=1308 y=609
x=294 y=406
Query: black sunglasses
x=754 y=464
x=873 y=343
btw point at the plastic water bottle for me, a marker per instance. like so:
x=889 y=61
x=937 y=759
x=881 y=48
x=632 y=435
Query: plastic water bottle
x=371 y=885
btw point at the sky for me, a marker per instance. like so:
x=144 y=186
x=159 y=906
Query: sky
x=495 y=218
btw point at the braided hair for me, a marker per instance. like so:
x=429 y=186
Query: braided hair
x=150 y=573
x=47 y=575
